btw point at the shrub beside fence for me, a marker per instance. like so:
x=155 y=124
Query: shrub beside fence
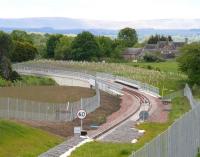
x=182 y=139
x=11 y=108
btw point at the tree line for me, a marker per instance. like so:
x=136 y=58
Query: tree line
x=19 y=46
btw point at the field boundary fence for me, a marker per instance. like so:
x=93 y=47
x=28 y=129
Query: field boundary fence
x=181 y=139
x=13 y=108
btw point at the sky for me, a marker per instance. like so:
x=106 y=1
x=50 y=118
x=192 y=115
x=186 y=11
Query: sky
x=109 y=10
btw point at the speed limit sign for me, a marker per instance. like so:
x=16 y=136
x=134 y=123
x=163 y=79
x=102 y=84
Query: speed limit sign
x=81 y=114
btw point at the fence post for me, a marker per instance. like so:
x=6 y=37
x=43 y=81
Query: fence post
x=8 y=107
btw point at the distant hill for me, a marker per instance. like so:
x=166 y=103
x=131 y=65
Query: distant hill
x=69 y=23
x=179 y=29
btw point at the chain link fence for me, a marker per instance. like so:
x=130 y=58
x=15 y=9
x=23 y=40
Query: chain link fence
x=182 y=139
x=11 y=108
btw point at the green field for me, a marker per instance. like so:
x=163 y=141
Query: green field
x=167 y=66
x=101 y=149
x=18 y=140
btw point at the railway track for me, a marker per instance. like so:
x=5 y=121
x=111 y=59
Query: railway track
x=142 y=99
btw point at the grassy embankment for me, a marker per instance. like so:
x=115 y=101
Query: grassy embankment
x=28 y=81
x=22 y=141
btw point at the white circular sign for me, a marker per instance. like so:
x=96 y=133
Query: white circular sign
x=81 y=114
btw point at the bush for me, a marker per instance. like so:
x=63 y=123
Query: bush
x=15 y=76
x=198 y=154
x=152 y=58
x=157 y=69
x=23 y=52
x=149 y=67
x=4 y=83
x=189 y=62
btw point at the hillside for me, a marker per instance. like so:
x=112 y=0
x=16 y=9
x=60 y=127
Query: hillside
x=23 y=141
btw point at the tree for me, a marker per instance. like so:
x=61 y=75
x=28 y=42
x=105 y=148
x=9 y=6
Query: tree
x=189 y=62
x=23 y=52
x=6 y=47
x=6 y=44
x=85 y=47
x=155 y=39
x=118 y=49
x=128 y=36
x=21 y=36
x=52 y=41
x=5 y=68
x=63 y=48
x=39 y=41
x=105 y=45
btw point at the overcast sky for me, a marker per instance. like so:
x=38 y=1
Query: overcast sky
x=115 y=10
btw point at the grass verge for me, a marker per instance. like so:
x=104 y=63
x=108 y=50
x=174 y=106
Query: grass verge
x=22 y=141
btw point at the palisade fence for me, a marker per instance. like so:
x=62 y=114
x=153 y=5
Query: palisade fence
x=102 y=78
x=182 y=139
x=11 y=108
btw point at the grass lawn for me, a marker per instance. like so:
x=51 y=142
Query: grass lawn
x=167 y=66
x=54 y=94
x=18 y=140
x=101 y=149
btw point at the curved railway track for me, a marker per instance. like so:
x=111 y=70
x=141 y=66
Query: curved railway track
x=142 y=99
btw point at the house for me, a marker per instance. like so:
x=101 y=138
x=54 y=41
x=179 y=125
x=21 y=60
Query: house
x=132 y=53
x=168 y=49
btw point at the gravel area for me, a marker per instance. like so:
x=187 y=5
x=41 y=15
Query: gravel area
x=124 y=133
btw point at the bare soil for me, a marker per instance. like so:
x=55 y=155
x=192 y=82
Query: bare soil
x=109 y=105
x=51 y=94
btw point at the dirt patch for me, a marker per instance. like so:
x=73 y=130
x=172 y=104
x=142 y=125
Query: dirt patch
x=51 y=94
x=109 y=105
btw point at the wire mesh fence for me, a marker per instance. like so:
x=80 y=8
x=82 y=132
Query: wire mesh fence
x=102 y=78
x=182 y=139
x=173 y=95
x=11 y=108
x=188 y=93
x=103 y=85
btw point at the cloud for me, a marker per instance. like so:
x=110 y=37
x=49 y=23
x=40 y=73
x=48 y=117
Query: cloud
x=116 y=10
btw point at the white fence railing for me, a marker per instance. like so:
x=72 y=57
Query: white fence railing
x=182 y=139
